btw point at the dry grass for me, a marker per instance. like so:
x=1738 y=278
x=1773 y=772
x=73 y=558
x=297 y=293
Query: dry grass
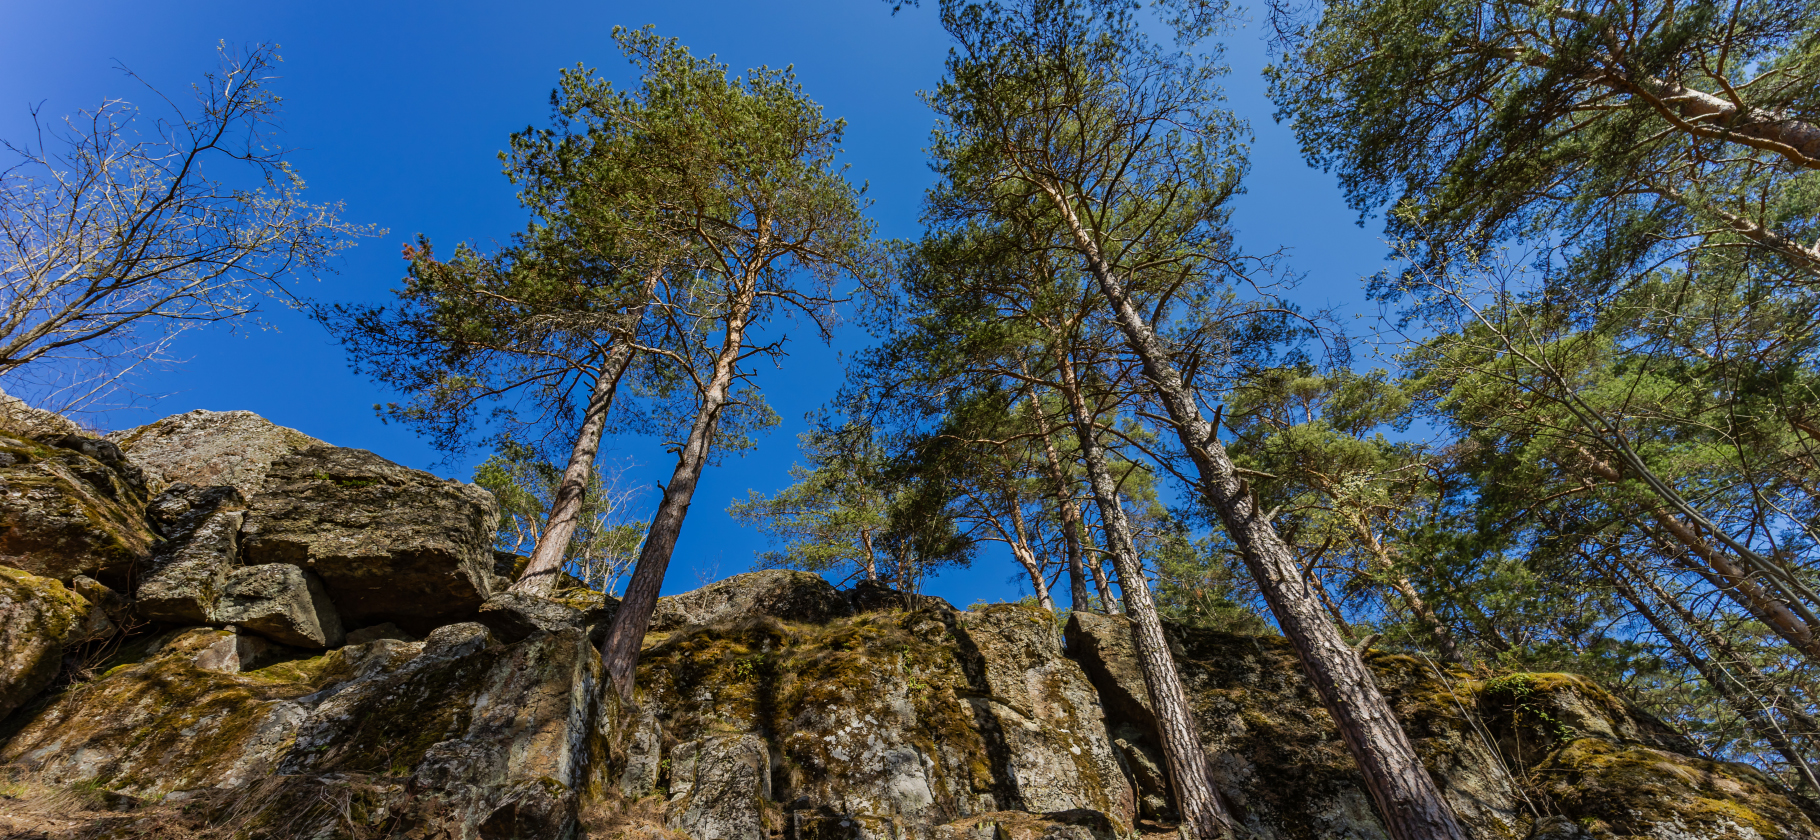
x=616 y=817
x=36 y=812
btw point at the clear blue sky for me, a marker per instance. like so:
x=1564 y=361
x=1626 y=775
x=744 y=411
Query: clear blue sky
x=398 y=109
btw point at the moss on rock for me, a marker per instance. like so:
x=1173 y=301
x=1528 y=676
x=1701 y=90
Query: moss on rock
x=71 y=509
x=39 y=617
x=1633 y=791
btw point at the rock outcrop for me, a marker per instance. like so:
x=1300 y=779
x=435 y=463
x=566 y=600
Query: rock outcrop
x=25 y=421
x=69 y=506
x=212 y=448
x=201 y=547
x=39 y=619
x=390 y=543
x=283 y=603
x=779 y=593
x=454 y=734
x=232 y=701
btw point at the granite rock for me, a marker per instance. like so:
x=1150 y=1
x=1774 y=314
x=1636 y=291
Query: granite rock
x=778 y=593
x=390 y=543
x=210 y=448
x=281 y=602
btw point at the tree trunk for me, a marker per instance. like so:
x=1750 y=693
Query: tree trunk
x=1071 y=513
x=1443 y=637
x=539 y=577
x=619 y=652
x=1039 y=584
x=1729 y=689
x=1196 y=799
x=871 y=563
x=1408 y=800
x=1737 y=581
x=1756 y=680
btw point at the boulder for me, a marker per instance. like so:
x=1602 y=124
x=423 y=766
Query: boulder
x=642 y=752
x=71 y=506
x=1634 y=791
x=491 y=740
x=455 y=736
x=188 y=572
x=1102 y=644
x=1045 y=711
x=178 y=719
x=281 y=602
x=1275 y=753
x=871 y=595
x=390 y=543
x=207 y=448
x=234 y=653
x=33 y=423
x=512 y=616
x=1612 y=769
x=112 y=606
x=878 y=725
x=39 y=618
x=778 y=593
x=718 y=786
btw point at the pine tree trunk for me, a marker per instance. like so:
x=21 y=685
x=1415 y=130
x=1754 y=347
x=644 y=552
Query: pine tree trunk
x=1027 y=558
x=1196 y=799
x=1033 y=568
x=619 y=652
x=1729 y=689
x=1735 y=581
x=871 y=562
x=1755 y=680
x=1409 y=802
x=539 y=577
x=1110 y=603
x=1438 y=631
x=1071 y=513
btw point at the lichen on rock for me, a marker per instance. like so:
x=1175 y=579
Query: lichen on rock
x=71 y=506
x=39 y=618
x=211 y=448
x=390 y=543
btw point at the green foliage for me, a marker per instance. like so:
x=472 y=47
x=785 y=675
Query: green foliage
x=1603 y=217
x=606 y=539
x=854 y=510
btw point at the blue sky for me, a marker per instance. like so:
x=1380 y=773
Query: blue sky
x=398 y=110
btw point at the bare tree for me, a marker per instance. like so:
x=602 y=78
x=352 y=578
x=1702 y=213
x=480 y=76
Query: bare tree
x=118 y=233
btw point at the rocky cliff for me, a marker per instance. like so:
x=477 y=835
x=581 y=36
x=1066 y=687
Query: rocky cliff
x=216 y=627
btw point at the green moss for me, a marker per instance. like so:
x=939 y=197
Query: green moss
x=1632 y=790
x=312 y=670
x=769 y=677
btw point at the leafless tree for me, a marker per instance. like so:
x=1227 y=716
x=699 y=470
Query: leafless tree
x=119 y=231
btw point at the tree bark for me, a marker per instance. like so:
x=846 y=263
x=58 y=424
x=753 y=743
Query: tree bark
x=1442 y=636
x=1754 y=714
x=1737 y=581
x=1039 y=584
x=1071 y=513
x=871 y=562
x=619 y=652
x=1408 y=800
x=540 y=575
x=1107 y=600
x=1196 y=799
